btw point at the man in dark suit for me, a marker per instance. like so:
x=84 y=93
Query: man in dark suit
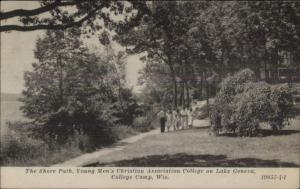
x=162 y=118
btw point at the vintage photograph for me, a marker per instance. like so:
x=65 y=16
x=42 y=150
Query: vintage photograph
x=150 y=84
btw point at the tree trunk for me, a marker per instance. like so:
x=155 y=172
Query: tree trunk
x=181 y=103
x=201 y=86
x=175 y=93
x=61 y=93
x=265 y=69
x=257 y=73
x=187 y=95
x=183 y=94
x=173 y=75
x=174 y=85
x=207 y=91
x=275 y=71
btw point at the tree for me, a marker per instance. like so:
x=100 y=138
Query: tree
x=253 y=34
x=162 y=35
x=68 y=88
x=157 y=82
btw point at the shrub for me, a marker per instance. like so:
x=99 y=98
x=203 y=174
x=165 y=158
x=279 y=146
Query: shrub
x=281 y=101
x=122 y=132
x=250 y=107
x=232 y=85
x=242 y=103
x=21 y=146
x=143 y=123
x=139 y=122
x=18 y=149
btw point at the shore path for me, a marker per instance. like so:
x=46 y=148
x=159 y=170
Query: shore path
x=93 y=157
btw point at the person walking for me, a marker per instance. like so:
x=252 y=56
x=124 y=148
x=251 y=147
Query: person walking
x=162 y=118
x=179 y=123
x=186 y=120
x=174 y=119
x=183 y=117
x=190 y=117
x=169 y=120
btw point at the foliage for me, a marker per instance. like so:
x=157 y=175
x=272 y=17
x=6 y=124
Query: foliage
x=21 y=147
x=145 y=123
x=281 y=103
x=18 y=148
x=162 y=38
x=157 y=84
x=124 y=110
x=242 y=103
x=140 y=122
x=72 y=89
x=123 y=131
x=199 y=39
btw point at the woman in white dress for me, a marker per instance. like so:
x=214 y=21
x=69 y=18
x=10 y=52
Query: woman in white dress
x=169 y=120
x=184 y=118
x=174 y=119
x=190 y=117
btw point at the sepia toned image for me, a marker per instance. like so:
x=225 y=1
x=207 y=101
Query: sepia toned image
x=125 y=87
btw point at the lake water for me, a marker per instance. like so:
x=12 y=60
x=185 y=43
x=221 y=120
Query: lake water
x=10 y=111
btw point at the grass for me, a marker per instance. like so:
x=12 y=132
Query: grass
x=195 y=147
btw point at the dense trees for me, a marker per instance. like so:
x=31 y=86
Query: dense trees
x=197 y=37
x=201 y=42
x=261 y=31
x=162 y=35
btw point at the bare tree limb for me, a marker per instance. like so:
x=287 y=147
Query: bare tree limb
x=37 y=11
x=78 y=23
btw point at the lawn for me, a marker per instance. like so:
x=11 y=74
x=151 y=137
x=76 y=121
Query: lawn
x=195 y=147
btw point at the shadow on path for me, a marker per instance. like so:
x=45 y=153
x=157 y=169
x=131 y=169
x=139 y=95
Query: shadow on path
x=185 y=160
x=265 y=133
x=279 y=132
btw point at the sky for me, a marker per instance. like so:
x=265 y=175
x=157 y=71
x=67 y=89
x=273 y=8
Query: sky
x=17 y=54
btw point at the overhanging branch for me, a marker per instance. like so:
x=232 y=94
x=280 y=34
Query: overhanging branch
x=78 y=23
x=33 y=12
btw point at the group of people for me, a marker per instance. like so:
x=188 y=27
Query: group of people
x=176 y=119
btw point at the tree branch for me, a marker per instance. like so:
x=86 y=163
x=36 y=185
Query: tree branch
x=78 y=23
x=33 y=12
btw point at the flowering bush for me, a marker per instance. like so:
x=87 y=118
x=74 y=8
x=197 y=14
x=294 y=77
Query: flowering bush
x=242 y=103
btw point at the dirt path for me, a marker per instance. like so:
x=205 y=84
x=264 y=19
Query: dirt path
x=94 y=156
x=90 y=158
